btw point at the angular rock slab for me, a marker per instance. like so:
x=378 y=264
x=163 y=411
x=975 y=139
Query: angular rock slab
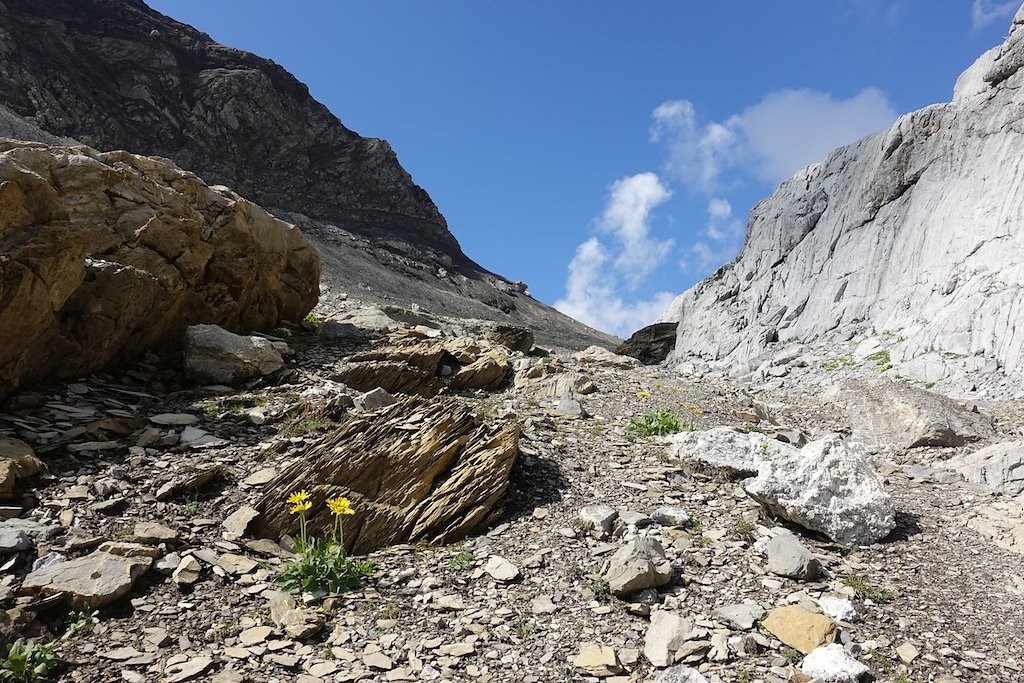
x=650 y=345
x=887 y=414
x=999 y=467
x=98 y=579
x=726 y=448
x=420 y=470
x=800 y=629
x=666 y=634
x=639 y=564
x=681 y=674
x=89 y=281
x=788 y=557
x=216 y=356
x=827 y=486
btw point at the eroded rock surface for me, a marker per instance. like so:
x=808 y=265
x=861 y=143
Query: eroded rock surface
x=416 y=471
x=914 y=231
x=104 y=255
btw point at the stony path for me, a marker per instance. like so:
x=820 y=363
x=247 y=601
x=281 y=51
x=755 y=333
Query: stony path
x=947 y=604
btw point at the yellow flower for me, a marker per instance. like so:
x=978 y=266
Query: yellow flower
x=643 y=394
x=298 y=497
x=301 y=506
x=340 y=506
x=657 y=386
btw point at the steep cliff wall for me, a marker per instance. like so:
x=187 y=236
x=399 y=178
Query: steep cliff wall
x=917 y=232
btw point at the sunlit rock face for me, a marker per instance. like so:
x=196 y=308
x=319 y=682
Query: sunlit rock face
x=917 y=231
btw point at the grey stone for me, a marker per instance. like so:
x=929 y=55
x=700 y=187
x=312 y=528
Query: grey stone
x=601 y=516
x=98 y=579
x=373 y=400
x=665 y=635
x=501 y=570
x=570 y=407
x=12 y=540
x=1000 y=467
x=670 y=515
x=742 y=616
x=681 y=674
x=237 y=523
x=214 y=355
x=639 y=564
x=788 y=557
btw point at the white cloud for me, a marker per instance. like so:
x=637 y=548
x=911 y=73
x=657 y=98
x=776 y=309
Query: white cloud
x=627 y=218
x=986 y=12
x=771 y=140
x=719 y=242
x=592 y=294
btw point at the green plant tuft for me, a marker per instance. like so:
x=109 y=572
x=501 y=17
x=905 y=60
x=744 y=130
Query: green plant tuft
x=27 y=661
x=460 y=560
x=659 y=423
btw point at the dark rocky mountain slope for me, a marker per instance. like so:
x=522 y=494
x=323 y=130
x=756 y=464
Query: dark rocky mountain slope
x=115 y=74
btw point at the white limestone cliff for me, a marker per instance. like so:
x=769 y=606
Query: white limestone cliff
x=917 y=232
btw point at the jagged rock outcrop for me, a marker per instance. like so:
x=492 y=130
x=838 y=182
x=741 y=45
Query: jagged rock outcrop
x=115 y=74
x=650 y=345
x=104 y=255
x=916 y=231
x=417 y=471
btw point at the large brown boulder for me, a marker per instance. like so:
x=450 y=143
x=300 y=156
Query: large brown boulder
x=650 y=345
x=107 y=254
x=420 y=470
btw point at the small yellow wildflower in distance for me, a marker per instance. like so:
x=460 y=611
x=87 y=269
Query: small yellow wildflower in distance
x=340 y=506
x=643 y=394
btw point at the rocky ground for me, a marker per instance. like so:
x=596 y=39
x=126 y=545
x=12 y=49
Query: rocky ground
x=157 y=467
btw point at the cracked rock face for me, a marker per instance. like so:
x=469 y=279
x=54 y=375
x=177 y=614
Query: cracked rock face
x=916 y=231
x=104 y=255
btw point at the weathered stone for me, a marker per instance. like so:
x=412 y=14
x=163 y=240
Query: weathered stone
x=187 y=571
x=26 y=464
x=726 y=448
x=840 y=609
x=174 y=419
x=109 y=280
x=512 y=337
x=13 y=539
x=650 y=345
x=800 y=629
x=601 y=518
x=596 y=355
x=788 y=557
x=887 y=414
x=680 y=674
x=236 y=564
x=833 y=664
x=296 y=622
x=216 y=356
x=97 y=579
x=418 y=470
x=1000 y=467
x=237 y=523
x=152 y=532
x=664 y=637
x=372 y=400
x=501 y=570
x=597 y=660
x=742 y=616
x=639 y=564
x=669 y=515
x=827 y=486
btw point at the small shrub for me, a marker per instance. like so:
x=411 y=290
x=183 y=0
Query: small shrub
x=876 y=594
x=27 y=661
x=743 y=528
x=659 y=423
x=322 y=564
x=792 y=656
x=460 y=560
x=81 y=622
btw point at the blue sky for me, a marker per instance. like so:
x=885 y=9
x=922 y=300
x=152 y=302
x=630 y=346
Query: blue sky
x=607 y=153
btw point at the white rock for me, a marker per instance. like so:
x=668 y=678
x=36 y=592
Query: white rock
x=680 y=674
x=832 y=664
x=999 y=467
x=725 y=447
x=827 y=486
x=501 y=569
x=665 y=635
x=907 y=231
x=840 y=609
x=374 y=399
x=595 y=355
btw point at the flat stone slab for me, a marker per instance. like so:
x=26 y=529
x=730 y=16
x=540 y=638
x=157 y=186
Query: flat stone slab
x=97 y=579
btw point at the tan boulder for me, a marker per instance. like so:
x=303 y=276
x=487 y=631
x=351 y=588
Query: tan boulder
x=415 y=471
x=800 y=629
x=108 y=254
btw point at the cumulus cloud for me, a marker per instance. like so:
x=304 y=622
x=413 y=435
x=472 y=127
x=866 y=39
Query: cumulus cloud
x=771 y=140
x=718 y=242
x=627 y=219
x=596 y=280
x=987 y=12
